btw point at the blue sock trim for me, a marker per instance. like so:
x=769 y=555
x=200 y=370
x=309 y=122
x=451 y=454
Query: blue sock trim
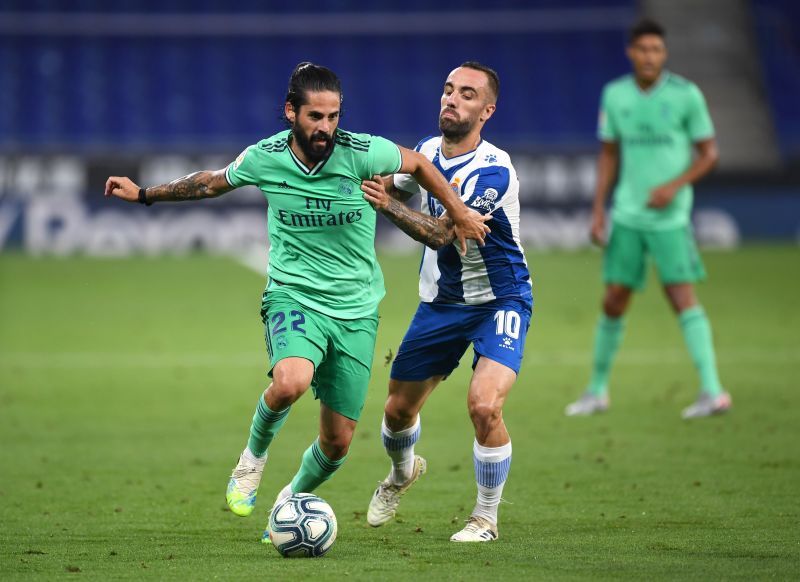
x=398 y=444
x=491 y=474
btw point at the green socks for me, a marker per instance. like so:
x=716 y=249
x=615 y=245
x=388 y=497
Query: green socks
x=266 y=424
x=607 y=337
x=697 y=334
x=315 y=469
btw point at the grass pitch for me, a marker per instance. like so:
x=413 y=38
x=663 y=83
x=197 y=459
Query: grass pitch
x=127 y=387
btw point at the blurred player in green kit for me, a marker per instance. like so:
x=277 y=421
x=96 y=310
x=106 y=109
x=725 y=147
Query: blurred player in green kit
x=651 y=123
x=320 y=306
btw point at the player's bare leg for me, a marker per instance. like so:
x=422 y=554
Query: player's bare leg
x=697 y=333
x=608 y=336
x=489 y=388
x=291 y=378
x=400 y=429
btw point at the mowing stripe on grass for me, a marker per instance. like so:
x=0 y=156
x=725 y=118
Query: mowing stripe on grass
x=560 y=358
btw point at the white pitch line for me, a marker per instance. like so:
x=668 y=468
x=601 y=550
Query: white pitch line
x=563 y=358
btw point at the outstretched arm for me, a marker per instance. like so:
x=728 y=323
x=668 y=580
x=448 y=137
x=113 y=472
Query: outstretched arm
x=429 y=230
x=204 y=184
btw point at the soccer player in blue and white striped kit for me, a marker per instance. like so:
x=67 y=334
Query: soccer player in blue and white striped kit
x=483 y=298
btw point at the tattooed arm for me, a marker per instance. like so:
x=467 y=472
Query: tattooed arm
x=394 y=191
x=429 y=230
x=205 y=184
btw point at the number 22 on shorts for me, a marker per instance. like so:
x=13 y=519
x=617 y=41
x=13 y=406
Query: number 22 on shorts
x=278 y=320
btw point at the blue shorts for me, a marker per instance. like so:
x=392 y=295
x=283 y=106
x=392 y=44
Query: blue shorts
x=440 y=333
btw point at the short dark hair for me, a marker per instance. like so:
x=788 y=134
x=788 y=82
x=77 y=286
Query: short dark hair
x=643 y=27
x=494 y=79
x=310 y=77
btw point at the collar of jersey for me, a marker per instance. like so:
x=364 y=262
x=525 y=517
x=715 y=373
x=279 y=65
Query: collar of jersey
x=302 y=166
x=662 y=80
x=448 y=163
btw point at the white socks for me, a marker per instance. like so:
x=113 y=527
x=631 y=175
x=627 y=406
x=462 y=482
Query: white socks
x=400 y=448
x=491 y=471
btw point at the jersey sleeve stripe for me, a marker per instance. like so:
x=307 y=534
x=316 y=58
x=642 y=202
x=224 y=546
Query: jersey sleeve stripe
x=400 y=158
x=228 y=177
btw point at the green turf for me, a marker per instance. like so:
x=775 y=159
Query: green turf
x=126 y=389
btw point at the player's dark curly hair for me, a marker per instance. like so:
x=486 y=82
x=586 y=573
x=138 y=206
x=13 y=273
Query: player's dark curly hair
x=494 y=79
x=310 y=77
x=643 y=27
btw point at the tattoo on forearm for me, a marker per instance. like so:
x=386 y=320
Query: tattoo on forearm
x=400 y=195
x=431 y=231
x=192 y=187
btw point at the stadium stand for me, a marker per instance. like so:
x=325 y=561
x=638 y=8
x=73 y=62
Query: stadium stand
x=778 y=27
x=84 y=85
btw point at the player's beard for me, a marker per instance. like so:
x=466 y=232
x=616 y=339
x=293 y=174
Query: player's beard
x=313 y=153
x=454 y=129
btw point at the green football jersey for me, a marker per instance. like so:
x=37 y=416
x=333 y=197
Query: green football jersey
x=656 y=131
x=321 y=230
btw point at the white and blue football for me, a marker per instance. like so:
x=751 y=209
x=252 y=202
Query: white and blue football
x=302 y=526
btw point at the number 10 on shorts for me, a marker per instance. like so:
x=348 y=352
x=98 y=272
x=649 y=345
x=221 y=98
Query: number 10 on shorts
x=508 y=323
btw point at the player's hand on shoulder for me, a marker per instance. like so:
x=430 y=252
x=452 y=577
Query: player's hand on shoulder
x=662 y=196
x=122 y=187
x=375 y=192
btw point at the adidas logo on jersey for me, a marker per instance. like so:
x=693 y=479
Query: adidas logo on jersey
x=284 y=186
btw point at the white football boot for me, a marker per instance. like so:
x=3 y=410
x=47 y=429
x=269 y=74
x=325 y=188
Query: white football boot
x=707 y=405
x=243 y=486
x=384 y=502
x=477 y=529
x=587 y=405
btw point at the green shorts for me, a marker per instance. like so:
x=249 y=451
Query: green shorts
x=674 y=253
x=340 y=349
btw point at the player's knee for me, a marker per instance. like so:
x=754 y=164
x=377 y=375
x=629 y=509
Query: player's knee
x=680 y=297
x=336 y=446
x=484 y=414
x=287 y=387
x=614 y=304
x=398 y=414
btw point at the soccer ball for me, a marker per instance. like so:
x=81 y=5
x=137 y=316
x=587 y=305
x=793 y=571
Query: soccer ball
x=302 y=526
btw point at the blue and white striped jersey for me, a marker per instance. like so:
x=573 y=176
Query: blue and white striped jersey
x=487 y=182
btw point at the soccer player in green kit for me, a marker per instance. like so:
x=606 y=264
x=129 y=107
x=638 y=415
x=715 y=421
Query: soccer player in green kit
x=650 y=123
x=320 y=305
